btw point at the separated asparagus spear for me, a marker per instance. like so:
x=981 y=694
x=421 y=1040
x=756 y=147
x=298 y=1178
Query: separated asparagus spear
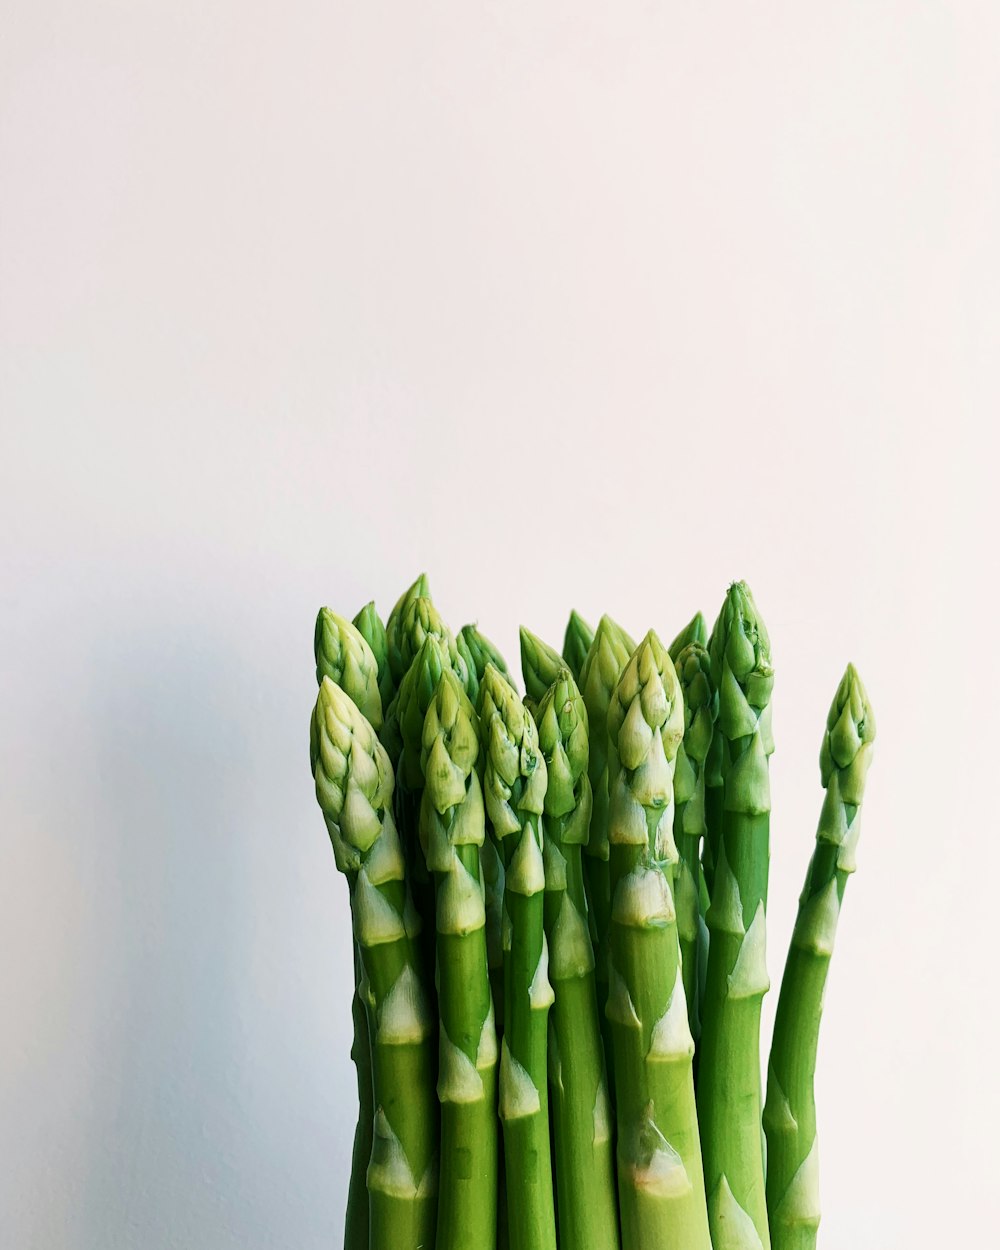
x=452 y=829
x=515 y=780
x=354 y=788
x=660 y=1184
x=586 y=1199
x=790 y=1110
x=729 y=1093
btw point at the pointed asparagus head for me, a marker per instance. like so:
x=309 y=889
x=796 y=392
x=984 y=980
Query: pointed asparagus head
x=343 y=655
x=576 y=643
x=741 y=656
x=607 y=657
x=515 y=773
x=480 y=651
x=352 y=773
x=848 y=741
x=369 y=625
x=414 y=698
x=393 y=627
x=701 y=700
x=645 y=729
x=563 y=737
x=539 y=665
x=696 y=630
x=450 y=743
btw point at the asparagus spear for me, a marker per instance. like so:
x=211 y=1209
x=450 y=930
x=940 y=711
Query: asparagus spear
x=369 y=625
x=729 y=1093
x=515 y=779
x=398 y=663
x=701 y=703
x=660 y=1183
x=354 y=789
x=343 y=655
x=539 y=665
x=790 y=1110
x=608 y=655
x=694 y=631
x=576 y=643
x=586 y=1201
x=452 y=829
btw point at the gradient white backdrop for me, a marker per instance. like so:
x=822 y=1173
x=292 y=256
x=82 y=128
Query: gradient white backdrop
x=593 y=305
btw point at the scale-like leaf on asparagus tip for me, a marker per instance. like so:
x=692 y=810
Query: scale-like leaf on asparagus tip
x=576 y=642
x=539 y=665
x=343 y=655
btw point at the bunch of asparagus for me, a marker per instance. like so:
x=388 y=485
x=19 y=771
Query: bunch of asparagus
x=558 y=906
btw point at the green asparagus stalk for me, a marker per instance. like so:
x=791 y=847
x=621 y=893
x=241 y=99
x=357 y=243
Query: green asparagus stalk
x=586 y=1200
x=607 y=657
x=452 y=829
x=729 y=1085
x=577 y=643
x=694 y=631
x=515 y=780
x=701 y=703
x=539 y=665
x=369 y=625
x=354 y=789
x=790 y=1111
x=660 y=1183
x=343 y=655
x=399 y=662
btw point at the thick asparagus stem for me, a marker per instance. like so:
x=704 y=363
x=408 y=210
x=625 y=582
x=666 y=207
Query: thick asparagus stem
x=354 y=789
x=586 y=1198
x=539 y=665
x=607 y=657
x=515 y=779
x=452 y=829
x=701 y=703
x=729 y=1084
x=694 y=631
x=576 y=643
x=660 y=1184
x=369 y=625
x=343 y=655
x=790 y=1111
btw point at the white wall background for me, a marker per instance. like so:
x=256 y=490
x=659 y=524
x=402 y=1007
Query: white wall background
x=571 y=304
